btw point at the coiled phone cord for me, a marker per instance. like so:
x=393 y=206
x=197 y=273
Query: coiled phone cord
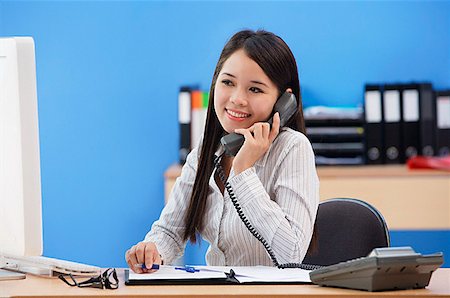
x=250 y=227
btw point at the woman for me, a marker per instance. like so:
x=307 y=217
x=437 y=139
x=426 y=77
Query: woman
x=273 y=175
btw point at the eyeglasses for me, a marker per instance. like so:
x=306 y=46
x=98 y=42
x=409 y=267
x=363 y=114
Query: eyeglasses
x=106 y=280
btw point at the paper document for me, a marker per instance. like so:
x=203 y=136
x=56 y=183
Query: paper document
x=169 y=272
x=269 y=274
x=243 y=274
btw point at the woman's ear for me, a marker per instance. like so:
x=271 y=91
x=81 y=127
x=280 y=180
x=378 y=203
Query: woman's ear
x=289 y=90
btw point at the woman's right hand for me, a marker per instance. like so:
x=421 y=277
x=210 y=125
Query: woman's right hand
x=143 y=253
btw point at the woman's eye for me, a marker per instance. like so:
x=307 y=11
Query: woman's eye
x=227 y=82
x=255 y=90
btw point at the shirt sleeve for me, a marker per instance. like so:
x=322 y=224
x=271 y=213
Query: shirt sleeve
x=286 y=220
x=167 y=231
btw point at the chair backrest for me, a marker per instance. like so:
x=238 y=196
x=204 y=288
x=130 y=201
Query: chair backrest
x=346 y=229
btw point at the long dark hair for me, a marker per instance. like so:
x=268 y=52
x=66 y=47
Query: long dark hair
x=275 y=58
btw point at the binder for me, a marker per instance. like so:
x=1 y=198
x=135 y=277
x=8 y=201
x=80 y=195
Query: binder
x=410 y=125
x=184 y=122
x=338 y=149
x=427 y=120
x=329 y=161
x=443 y=123
x=335 y=134
x=204 y=275
x=198 y=116
x=373 y=115
x=214 y=278
x=392 y=107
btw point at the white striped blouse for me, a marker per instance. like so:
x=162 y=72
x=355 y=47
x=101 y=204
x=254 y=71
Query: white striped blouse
x=279 y=195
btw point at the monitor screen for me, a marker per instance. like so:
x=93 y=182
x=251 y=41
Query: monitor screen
x=20 y=182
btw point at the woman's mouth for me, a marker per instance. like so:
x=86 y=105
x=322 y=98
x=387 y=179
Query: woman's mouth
x=237 y=116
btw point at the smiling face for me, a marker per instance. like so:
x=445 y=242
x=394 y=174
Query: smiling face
x=243 y=94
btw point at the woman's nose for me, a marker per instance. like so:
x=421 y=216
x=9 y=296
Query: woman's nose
x=239 y=98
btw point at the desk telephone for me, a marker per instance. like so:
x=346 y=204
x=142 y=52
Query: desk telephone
x=387 y=268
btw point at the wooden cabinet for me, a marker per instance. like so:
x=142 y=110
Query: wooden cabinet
x=408 y=199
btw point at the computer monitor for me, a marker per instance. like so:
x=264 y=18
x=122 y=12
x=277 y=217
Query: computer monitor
x=20 y=182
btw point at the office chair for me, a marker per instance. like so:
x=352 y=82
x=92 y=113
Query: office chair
x=345 y=229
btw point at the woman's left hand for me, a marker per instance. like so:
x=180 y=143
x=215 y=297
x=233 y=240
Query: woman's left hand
x=258 y=139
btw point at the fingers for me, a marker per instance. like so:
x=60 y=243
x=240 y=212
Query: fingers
x=151 y=257
x=245 y=132
x=130 y=257
x=142 y=253
x=261 y=131
x=156 y=260
x=257 y=131
x=265 y=130
x=275 y=127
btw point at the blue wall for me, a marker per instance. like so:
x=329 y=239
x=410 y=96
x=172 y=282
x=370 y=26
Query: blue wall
x=109 y=73
x=425 y=242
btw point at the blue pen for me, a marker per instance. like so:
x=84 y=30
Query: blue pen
x=142 y=266
x=187 y=268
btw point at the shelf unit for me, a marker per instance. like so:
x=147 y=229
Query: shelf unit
x=408 y=199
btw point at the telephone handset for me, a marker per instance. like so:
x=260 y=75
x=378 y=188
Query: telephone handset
x=286 y=105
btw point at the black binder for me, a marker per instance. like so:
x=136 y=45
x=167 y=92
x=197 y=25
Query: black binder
x=443 y=123
x=427 y=120
x=373 y=128
x=219 y=278
x=184 y=121
x=410 y=115
x=392 y=107
x=228 y=278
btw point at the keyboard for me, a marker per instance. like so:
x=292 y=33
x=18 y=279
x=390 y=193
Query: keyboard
x=46 y=266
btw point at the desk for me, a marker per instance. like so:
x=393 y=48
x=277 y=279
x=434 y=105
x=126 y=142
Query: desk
x=44 y=287
x=408 y=199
